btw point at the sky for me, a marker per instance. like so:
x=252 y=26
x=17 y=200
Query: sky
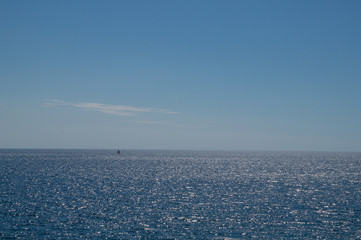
x=181 y=74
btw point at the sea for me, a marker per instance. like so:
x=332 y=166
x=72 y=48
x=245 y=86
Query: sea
x=151 y=194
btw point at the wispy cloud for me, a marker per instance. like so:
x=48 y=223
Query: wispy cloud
x=154 y=122
x=119 y=110
x=149 y=122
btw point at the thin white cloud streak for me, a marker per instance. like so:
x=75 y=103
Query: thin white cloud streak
x=119 y=110
x=164 y=123
x=148 y=122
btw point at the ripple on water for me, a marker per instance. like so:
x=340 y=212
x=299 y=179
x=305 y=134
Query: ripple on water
x=75 y=194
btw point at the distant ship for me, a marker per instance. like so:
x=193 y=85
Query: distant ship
x=118 y=152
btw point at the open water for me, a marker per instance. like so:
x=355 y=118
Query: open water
x=88 y=194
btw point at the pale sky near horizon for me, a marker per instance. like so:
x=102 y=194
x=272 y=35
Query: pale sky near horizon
x=215 y=75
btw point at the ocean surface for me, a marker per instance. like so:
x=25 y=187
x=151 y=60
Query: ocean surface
x=99 y=194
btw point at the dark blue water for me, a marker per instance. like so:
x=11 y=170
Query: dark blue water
x=73 y=194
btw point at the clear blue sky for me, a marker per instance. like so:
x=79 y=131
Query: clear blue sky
x=231 y=75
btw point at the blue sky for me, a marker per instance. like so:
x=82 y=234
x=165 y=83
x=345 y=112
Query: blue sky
x=225 y=75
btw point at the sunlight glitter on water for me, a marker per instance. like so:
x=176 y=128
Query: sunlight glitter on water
x=179 y=195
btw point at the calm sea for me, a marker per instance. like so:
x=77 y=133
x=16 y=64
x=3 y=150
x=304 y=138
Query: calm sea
x=77 y=194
